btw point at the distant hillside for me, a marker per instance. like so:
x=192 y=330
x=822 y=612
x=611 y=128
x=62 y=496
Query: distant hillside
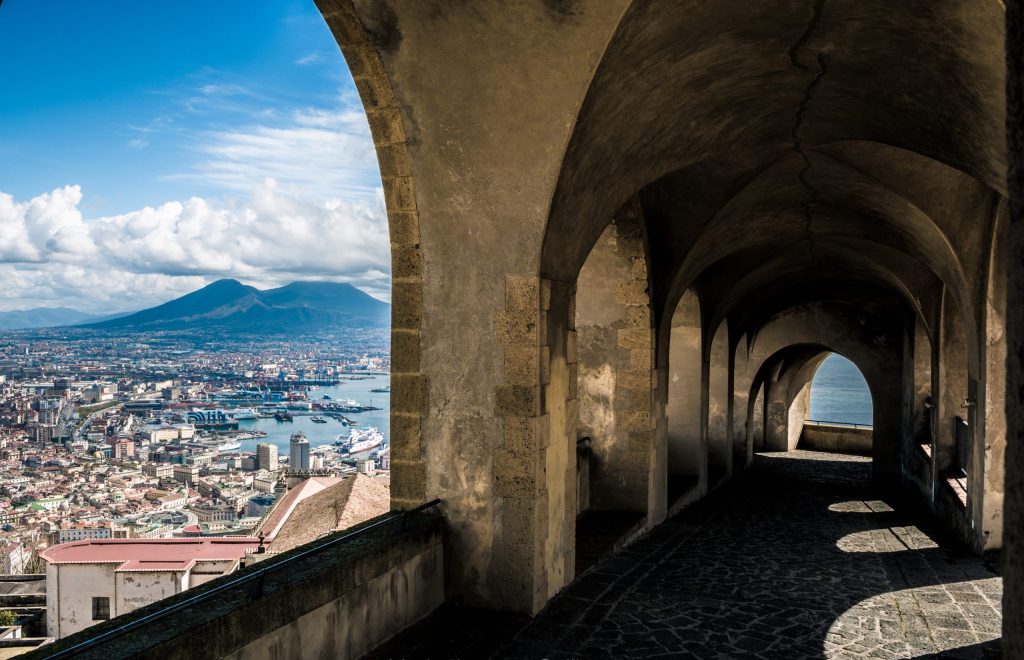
x=233 y=306
x=44 y=317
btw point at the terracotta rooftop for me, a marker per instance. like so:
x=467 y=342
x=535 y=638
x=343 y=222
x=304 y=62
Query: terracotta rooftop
x=284 y=507
x=149 y=554
x=350 y=502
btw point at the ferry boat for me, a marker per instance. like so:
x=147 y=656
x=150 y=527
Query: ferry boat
x=384 y=390
x=283 y=416
x=230 y=445
x=319 y=420
x=361 y=440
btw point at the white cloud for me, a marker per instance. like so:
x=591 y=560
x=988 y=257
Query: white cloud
x=312 y=58
x=138 y=143
x=322 y=154
x=50 y=254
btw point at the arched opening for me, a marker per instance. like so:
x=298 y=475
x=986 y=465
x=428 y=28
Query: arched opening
x=839 y=393
x=838 y=409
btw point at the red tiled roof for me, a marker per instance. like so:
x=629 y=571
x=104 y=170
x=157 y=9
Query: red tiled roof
x=149 y=554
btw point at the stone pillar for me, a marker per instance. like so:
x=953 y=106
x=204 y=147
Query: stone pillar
x=992 y=445
x=1013 y=529
x=741 y=447
x=953 y=384
x=757 y=420
x=719 y=411
x=776 y=414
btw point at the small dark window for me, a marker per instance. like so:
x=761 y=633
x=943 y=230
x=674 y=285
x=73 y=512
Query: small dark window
x=100 y=608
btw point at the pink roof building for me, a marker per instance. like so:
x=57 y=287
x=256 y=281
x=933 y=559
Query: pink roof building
x=91 y=581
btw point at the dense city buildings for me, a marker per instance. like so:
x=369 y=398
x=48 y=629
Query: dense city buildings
x=147 y=449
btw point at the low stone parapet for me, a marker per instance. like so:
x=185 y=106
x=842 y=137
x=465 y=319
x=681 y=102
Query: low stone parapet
x=338 y=597
x=836 y=438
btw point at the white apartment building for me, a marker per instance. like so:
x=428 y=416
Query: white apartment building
x=92 y=581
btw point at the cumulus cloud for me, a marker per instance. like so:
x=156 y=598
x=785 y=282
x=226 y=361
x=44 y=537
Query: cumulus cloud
x=51 y=254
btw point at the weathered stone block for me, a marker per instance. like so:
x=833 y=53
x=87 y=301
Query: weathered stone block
x=376 y=92
x=641 y=358
x=516 y=327
x=409 y=480
x=634 y=338
x=517 y=401
x=394 y=160
x=404 y=227
x=408 y=393
x=641 y=440
x=522 y=436
x=519 y=520
x=406 y=305
x=522 y=293
x=406 y=437
x=522 y=364
x=386 y=125
x=545 y=295
x=633 y=292
x=571 y=343
x=635 y=420
x=406 y=261
x=405 y=351
x=515 y=486
x=633 y=379
x=399 y=193
x=638 y=269
x=545 y=365
x=638 y=316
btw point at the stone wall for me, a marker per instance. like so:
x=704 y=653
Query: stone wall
x=837 y=439
x=339 y=602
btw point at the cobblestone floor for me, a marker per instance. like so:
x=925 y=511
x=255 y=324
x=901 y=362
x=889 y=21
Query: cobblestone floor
x=795 y=559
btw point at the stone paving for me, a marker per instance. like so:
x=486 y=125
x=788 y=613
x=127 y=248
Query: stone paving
x=797 y=558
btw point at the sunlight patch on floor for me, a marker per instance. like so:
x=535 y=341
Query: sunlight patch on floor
x=918 y=622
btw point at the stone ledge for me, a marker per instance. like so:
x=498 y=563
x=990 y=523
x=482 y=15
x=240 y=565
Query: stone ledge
x=232 y=619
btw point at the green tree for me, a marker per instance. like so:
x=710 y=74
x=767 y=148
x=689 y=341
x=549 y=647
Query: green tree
x=7 y=618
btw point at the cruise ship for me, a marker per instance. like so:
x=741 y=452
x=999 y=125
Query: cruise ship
x=361 y=440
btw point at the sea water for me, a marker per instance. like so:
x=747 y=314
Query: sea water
x=279 y=433
x=839 y=393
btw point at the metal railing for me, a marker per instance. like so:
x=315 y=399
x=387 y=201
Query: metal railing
x=258 y=574
x=845 y=425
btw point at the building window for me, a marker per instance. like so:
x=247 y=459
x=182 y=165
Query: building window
x=100 y=608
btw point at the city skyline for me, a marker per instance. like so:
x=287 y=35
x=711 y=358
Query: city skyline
x=163 y=151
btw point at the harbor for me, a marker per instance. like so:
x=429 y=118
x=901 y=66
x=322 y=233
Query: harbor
x=318 y=433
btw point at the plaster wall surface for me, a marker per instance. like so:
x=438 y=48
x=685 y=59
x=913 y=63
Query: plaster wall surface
x=69 y=593
x=135 y=590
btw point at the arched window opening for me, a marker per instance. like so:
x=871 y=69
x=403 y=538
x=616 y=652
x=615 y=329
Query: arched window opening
x=835 y=409
x=839 y=394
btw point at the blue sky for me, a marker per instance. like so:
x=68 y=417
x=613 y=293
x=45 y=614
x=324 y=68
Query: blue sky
x=128 y=127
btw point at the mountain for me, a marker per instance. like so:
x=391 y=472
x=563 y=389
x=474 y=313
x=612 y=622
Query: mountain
x=45 y=317
x=230 y=305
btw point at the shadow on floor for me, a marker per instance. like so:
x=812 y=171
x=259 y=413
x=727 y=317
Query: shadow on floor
x=798 y=558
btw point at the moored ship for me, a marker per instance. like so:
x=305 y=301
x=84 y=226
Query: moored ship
x=361 y=440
